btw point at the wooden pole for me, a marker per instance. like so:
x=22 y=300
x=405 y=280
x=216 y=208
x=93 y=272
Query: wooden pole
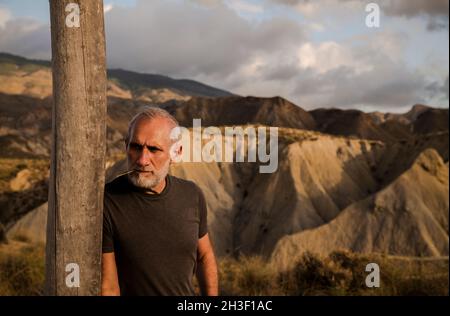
x=74 y=227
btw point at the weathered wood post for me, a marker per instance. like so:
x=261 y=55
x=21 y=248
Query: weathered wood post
x=74 y=227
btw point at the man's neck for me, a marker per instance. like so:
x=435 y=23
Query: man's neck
x=158 y=188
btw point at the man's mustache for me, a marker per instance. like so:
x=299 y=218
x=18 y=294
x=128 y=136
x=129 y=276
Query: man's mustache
x=140 y=170
x=135 y=170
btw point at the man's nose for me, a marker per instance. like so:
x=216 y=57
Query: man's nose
x=144 y=157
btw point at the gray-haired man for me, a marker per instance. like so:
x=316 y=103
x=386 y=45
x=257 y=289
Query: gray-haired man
x=155 y=236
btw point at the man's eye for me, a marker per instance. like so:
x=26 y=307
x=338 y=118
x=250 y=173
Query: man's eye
x=135 y=146
x=153 y=149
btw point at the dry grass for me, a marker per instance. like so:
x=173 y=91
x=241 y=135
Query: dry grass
x=341 y=273
x=21 y=269
x=22 y=237
x=9 y=167
x=248 y=276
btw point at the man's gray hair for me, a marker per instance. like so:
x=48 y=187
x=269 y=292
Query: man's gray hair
x=151 y=112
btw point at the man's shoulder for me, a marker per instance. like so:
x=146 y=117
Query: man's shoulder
x=185 y=185
x=117 y=186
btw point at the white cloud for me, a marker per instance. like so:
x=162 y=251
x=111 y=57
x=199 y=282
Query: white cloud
x=5 y=16
x=243 y=7
x=317 y=27
x=208 y=3
x=327 y=56
x=314 y=9
x=26 y=37
x=183 y=40
x=359 y=76
x=210 y=42
x=108 y=7
x=366 y=73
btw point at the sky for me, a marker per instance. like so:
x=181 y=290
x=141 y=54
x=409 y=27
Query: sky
x=315 y=53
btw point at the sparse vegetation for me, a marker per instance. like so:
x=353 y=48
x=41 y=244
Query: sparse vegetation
x=22 y=237
x=26 y=143
x=21 y=269
x=341 y=273
x=7 y=68
x=10 y=167
x=247 y=276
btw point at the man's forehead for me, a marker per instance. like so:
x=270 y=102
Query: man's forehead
x=151 y=130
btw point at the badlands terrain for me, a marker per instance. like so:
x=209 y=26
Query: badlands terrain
x=346 y=179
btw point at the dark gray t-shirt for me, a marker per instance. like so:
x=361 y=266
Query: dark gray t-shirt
x=154 y=237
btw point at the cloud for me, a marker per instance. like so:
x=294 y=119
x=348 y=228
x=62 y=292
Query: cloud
x=26 y=37
x=208 y=3
x=444 y=88
x=5 y=16
x=368 y=74
x=242 y=7
x=108 y=7
x=438 y=91
x=330 y=55
x=407 y=8
x=210 y=42
x=311 y=9
x=435 y=12
x=437 y=24
x=411 y=8
x=182 y=39
x=391 y=88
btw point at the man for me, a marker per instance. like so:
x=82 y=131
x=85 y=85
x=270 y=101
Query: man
x=154 y=226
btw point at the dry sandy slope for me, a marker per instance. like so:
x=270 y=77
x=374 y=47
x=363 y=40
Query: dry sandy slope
x=32 y=225
x=316 y=178
x=38 y=84
x=408 y=217
x=372 y=193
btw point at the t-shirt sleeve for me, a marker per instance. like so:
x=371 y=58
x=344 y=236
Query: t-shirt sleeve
x=203 y=213
x=107 y=240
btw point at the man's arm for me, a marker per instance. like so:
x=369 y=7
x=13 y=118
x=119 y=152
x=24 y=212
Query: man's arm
x=207 y=268
x=110 y=281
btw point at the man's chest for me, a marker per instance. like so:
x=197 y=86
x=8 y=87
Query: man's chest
x=157 y=228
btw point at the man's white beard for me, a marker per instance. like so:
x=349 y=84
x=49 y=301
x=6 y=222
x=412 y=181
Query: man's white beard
x=147 y=181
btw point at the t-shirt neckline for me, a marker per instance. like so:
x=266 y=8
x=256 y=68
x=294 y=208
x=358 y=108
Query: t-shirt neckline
x=155 y=196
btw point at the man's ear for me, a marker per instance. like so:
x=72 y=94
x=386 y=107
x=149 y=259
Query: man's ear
x=175 y=152
x=176 y=148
